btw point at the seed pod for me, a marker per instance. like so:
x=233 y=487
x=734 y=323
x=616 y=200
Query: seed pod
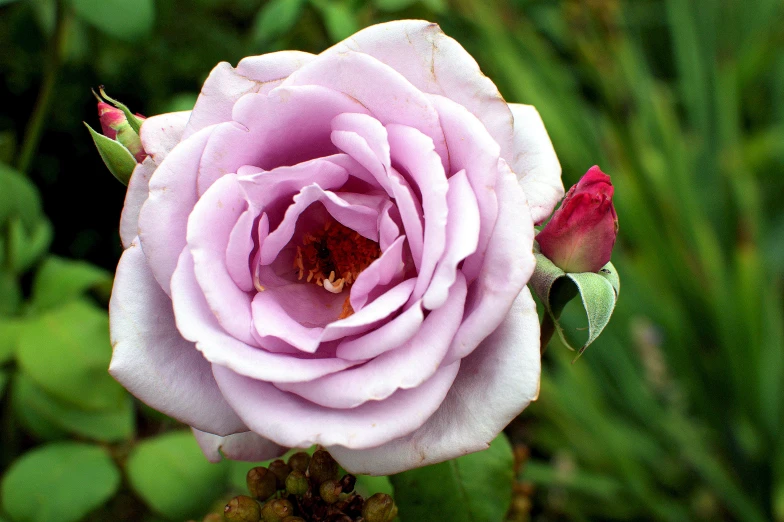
x=322 y=467
x=330 y=491
x=277 y=510
x=261 y=483
x=296 y=483
x=299 y=461
x=281 y=470
x=242 y=509
x=348 y=482
x=378 y=508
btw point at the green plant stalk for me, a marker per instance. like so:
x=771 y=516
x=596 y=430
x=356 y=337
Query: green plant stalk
x=35 y=125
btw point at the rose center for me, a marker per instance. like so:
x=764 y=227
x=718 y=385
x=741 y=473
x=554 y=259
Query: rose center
x=333 y=256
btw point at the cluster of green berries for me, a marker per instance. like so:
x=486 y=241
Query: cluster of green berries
x=306 y=489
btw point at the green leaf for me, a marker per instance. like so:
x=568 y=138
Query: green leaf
x=18 y=197
x=10 y=294
x=339 y=19
x=76 y=337
x=27 y=247
x=276 y=18
x=368 y=485
x=3 y=382
x=106 y=426
x=393 y=5
x=59 y=482
x=172 y=476
x=119 y=18
x=115 y=156
x=10 y=330
x=473 y=488
x=61 y=280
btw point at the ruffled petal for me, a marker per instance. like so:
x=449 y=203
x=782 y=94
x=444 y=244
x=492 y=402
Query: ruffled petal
x=152 y=360
x=135 y=196
x=535 y=162
x=494 y=385
x=160 y=134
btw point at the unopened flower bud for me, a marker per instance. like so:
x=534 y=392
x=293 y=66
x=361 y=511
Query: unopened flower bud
x=348 y=482
x=296 y=483
x=115 y=126
x=242 y=509
x=330 y=491
x=299 y=461
x=322 y=467
x=378 y=508
x=262 y=483
x=281 y=470
x=277 y=510
x=581 y=234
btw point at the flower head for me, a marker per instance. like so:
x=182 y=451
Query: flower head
x=115 y=126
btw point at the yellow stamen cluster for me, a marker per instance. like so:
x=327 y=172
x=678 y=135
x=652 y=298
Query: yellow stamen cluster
x=334 y=256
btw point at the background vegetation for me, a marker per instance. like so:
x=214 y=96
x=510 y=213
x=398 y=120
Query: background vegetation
x=675 y=413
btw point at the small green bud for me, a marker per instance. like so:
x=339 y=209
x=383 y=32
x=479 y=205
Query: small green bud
x=322 y=467
x=299 y=461
x=330 y=491
x=242 y=509
x=277 y=510
x=296 y=483
x=261 y=483
x=281 y=470
x=378 y=508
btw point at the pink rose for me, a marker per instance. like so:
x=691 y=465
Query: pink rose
x=115 y=126
x=581 y=235
x=333 y=250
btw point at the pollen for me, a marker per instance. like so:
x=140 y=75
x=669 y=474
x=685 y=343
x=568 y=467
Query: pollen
x=333 y=257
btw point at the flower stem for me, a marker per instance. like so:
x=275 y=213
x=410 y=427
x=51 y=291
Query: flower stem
x=546 y=332
x=36 y=123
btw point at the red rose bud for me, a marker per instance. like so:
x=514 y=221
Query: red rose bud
x=581 y=234
x=114 y=125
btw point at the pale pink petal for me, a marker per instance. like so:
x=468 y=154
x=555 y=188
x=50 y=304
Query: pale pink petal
x=407 y=366
x=436 y=64
x=386 y=94
x=472 y=149
x=246 y=446
x=238 y=251
x=494 y=385
x=299 y=423
x=197 y=324
x=225 y=85
x=364 y=139
x=289 y=125
x=135 y=196
x=535 y=162
x=152 y=360
x=160 y=134
x=163 y=219
x=462 y=237
x=381 y=272
x=386 y=337
x=508 y=265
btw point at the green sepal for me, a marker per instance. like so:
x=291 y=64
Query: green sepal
x=117 y=158
x=133 y=120
x=598 y=292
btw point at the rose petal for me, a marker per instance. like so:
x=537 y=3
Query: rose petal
x=364 y=139
x=535 y=162
x=163 y=219
x=508 y=265
x=197 y=324
x=152 y=360
x=494 y=385
x=160 y=134
x=246 y=446
x=225 y=85
x=402 y=368
x=386 y=337
x=386 y=94
x=294 y=422
x=135 y=196
x=381 y=272
x=436 y=64
x=238 y=251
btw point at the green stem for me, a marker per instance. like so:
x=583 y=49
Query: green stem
x=546 y=332
x=35 y=125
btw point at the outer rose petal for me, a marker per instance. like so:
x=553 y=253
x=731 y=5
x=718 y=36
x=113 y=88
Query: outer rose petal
x=225 y=85
x=245 y=446
x=436 y=64
x=135 y=196
x=535 y=162
x=495 y=383
x=160 y=134
x=153 y=361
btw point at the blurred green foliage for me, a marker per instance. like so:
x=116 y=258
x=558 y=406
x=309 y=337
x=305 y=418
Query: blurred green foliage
x=675 y=413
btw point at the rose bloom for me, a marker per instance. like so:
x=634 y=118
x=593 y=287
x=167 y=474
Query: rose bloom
x=334 y=250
